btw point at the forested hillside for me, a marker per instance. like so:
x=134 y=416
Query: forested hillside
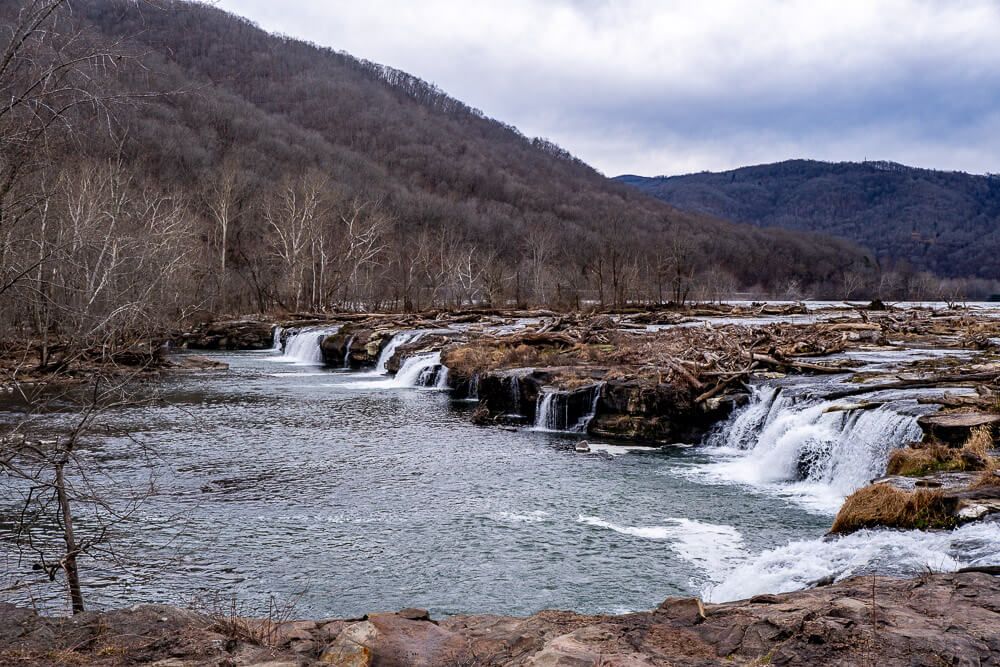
x=947 y=223
x=177 y=158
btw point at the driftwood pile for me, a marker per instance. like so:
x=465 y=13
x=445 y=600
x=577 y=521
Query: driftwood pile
x=708 y=361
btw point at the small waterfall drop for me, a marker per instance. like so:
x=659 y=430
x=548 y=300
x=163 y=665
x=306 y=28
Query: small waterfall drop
x=816 y=449
x=546 y=413
x=347 y=353
x=422 y=370
x=555 y=408
x=402 y=338
x=276 y=341
x=515 y=394
x=303 y=345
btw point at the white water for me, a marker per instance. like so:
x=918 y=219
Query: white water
x=552 y=410
x=800 y=450
x=401 y=338
x=800 y=564
x=715 y=549
x=303 y=345
x=276 y=343
x=421 y=370
x=347 y=353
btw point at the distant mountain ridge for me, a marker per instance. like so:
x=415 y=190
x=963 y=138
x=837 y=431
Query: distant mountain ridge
x=947 y=223
x=454 y=206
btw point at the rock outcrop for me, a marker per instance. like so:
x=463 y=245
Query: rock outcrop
x=955 y=428
x=229 y=335
x=941 y=619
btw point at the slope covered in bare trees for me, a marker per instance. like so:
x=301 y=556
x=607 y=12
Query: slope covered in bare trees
x=177 y=158
x=946 y=223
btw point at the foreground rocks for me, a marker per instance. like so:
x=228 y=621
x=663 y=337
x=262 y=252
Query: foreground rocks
x=942 y=619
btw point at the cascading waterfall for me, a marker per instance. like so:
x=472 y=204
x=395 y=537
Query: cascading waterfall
x=584 y=422
x=276 y=341
x=554 y=409
x=547 y=411
x=422 y=370
x=303 y=345
x=442 y=376
x=399 y=339
x=818 y=449
x=347 y=353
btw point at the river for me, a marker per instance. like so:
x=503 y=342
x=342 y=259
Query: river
x=345 y=492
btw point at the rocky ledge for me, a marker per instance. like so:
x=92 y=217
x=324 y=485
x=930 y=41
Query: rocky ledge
x=939 y=619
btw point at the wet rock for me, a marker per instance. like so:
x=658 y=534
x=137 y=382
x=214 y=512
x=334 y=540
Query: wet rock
x=353 y=346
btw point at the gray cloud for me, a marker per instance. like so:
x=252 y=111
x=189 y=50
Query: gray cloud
x=670 y=86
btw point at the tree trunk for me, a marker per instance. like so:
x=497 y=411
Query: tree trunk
x=69 y=562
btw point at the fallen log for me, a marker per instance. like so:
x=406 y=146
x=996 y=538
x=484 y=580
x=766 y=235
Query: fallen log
x=799 y=365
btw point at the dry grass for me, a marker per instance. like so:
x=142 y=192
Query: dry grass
x=468 y=360
x=917 y=462
x=882 y=505
x=987 y=479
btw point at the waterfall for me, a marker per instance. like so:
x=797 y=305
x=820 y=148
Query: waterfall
x=809 y=448
x=422 y=370
x=347 y=353
x=442 y=376
x=547 y=416
x=303 y=345
x=555 y=409
x=583 y=423
x=402 y=338
x=276 y=341
x=515 y=394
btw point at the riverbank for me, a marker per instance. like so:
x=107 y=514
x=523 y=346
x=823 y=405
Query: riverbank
x=936 y=619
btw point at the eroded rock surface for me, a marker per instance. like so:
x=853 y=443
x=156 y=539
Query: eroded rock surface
x=943 y=619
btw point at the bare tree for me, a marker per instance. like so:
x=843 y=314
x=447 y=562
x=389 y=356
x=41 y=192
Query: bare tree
x=223 y=196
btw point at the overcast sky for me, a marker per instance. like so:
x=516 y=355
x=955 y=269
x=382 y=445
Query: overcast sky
x=675 y=86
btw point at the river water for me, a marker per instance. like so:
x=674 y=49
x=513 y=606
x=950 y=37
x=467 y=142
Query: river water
x=346 y=492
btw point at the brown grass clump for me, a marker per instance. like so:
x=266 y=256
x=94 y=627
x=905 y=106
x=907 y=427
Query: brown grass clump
x=520 y=356
x=468 y=360
x=882 y=505
x=918 y=462
x=980 y=442
x=987 y=479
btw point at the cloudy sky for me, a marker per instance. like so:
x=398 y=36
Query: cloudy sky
x=674 y=86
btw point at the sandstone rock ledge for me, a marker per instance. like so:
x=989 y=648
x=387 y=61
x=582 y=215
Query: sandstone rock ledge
x=942 y=619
